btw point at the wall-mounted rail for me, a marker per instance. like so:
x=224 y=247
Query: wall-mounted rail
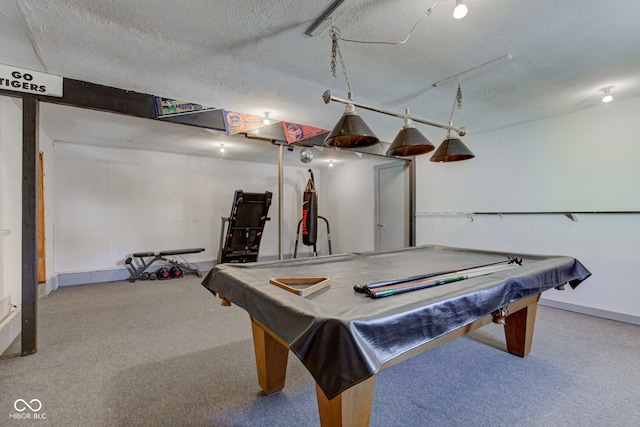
x=572 y=215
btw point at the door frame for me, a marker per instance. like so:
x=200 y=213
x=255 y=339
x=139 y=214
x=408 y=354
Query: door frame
x=42 y=263
x=410 y=179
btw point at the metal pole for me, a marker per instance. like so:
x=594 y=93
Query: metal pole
x=327 y=97
x=412 y=201
x=280 y=202
x=30 y=120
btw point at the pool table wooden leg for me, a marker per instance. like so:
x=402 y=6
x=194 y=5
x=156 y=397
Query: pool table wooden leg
x=518 y=329
x=271 y=359
x=351 y=408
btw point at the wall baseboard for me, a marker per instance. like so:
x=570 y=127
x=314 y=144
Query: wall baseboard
x=119 y=274
x=102 y=276
x=605 y=314
x=10 y=328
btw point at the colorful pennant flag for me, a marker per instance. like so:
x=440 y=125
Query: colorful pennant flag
x=238 y=122
x=172 y=107
x=295 y=132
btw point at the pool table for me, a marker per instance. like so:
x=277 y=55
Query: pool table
x=344 y=338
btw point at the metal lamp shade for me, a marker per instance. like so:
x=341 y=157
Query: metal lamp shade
x=410 y=142
x=351 y=131
x=452 y=150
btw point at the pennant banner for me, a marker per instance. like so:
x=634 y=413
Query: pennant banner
x=295 y=132
x=172 y=107
x=238 y=122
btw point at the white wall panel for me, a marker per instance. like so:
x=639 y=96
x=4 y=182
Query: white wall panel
x=347 y=198
x=11 y=200
x=585 y=161
x=112 y=202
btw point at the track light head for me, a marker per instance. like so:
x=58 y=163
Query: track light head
x=460 y=10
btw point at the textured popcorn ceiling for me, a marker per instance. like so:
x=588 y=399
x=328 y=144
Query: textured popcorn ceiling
x=254 y=56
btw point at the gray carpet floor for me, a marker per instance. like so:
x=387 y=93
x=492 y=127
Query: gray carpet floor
x=165 y=353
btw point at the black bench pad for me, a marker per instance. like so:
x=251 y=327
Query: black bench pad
x=181 y=251
x=171 y=252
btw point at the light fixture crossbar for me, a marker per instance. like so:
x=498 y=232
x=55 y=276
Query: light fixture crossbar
x=327 y=97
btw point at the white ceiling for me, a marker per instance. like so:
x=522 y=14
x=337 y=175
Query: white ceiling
x=254 y=56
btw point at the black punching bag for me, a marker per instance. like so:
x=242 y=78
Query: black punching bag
x=310 y=213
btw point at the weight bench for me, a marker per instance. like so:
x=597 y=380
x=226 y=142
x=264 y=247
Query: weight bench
x=138 y=270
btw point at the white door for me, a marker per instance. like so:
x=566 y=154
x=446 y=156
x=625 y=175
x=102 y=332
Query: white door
x=392 y=206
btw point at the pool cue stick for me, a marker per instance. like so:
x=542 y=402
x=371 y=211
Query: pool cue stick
x=423 y=284
x=478 y=271
x=364 y=288
x=473 y=271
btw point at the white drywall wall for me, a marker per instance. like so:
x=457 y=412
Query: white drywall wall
x=585 y=161
x=111 y=202
x=11 y=199
x=347 y=199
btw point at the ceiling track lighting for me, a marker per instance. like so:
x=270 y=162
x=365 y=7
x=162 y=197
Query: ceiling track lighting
x=457 y=76
x=332 y=12
x=266 y=120
x=461 y=10
x=606 y=95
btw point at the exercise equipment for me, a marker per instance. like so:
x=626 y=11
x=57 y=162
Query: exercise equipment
x=245 y=226
x=138 y=269
x=310 y=213
x=162 y=273
x=309 y=221
x=176 y=272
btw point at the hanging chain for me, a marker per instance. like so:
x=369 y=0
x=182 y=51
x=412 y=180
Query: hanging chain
x=457 y=102
x=335 y=53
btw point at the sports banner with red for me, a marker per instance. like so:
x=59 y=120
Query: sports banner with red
x=295 y=132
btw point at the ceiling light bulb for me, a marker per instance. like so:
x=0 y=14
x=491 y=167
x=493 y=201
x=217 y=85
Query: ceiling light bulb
x=222 y=148
x=461 y=10
x=330 y=163
x=266 y=120
x=606 y=95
